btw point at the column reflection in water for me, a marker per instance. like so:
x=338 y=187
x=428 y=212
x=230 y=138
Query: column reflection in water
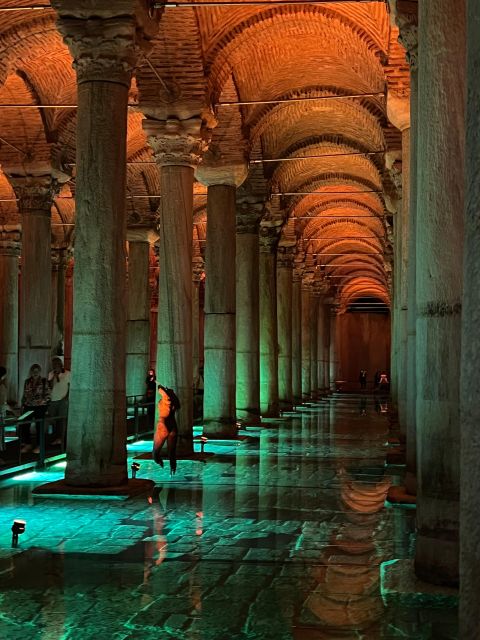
x=266 y=474
x=347 y=599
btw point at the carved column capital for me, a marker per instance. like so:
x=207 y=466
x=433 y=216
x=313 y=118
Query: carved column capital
x=35 y=193
x=269 y=235
x=251 y=208
x=105 y=38
x=59 y=258
x=10 y=240
x=215 y=169
x=177 y=142
x=197 y=269
x=285 y=257
x=145 y=234
x=406 y=19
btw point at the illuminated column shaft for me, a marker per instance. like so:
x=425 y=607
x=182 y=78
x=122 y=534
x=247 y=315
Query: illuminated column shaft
x=197 y=274
x=103 y=43
x=269 y=404
x=333 y=348
x=59 y=267
x=470 y=410
x=297 y=337
x=326 y=347
x=306 y=340
x=314 y=307
x=285 y=257
x=320 y=328
x=219 y=396
x=138 y=310
x=35 y=201
x=247 y=318
x=441 y=135
x=9 y=254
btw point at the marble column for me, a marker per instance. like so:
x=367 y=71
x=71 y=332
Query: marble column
x=297 y=336
x=407 y=23
x=470 y=381
x=314 y=307
x=306 y=339
x=320 y=328
x=249 y=213
x=35 y=198
x=68 y=313
x=138 y=309
x=285 y=256
x=439 y=234
x=326 y=347
x=177 y=146
x=10 y=237
x=104 y=43
x=269 y=404
x=59 y=267
x=332 y=319
x=219 y=415
x=197 y=275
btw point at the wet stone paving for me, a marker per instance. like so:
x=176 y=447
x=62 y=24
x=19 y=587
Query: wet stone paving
x=284 y=535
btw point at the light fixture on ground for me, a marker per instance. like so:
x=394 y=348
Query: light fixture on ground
x=18 y=527
x=135 y=467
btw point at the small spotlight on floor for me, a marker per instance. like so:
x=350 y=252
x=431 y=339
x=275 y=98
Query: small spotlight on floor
x=18 y=527
x=135 y=467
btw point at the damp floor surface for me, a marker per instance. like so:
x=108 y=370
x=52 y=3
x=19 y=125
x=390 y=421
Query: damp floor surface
x=285 y=535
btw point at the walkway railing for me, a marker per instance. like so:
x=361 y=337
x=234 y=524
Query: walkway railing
x=47 y=439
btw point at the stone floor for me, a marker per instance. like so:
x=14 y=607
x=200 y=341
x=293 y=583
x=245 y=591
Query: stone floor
x=279 y=537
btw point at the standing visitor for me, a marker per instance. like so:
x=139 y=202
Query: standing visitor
x=59 y=381
x=35 y=398
x=151 y=388
x=362 y=378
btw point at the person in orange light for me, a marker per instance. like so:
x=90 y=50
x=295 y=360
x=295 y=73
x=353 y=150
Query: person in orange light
x=166 y=429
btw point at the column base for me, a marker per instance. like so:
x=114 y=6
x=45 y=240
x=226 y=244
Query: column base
x=436 y=558
x=220 y=429
x=400 y=585
x=60 y=489
x=249 y=418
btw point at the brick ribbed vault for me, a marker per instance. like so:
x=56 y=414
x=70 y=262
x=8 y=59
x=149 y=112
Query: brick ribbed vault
x=203 y=56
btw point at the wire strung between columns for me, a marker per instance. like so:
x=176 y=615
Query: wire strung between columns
x=252 y=3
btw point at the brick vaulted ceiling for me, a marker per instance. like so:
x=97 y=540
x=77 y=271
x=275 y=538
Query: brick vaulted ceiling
x=206 y=56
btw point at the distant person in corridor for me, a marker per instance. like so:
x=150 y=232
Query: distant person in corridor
x=362 y=378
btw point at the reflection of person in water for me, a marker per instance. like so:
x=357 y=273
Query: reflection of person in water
x=166 y=429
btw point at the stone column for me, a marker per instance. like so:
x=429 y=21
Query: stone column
x=219 y=415
x=297 y=336
x=103 y=42
x=68 y=313
x=285 y=256
x=35 y=199
x=332 y=319
x=197 y=275
x=9 y=254
x=470 y=381
x=439 y=233
x=320 y=328
x=314 y=307
x=138 y=309
x=306 y=339
x=269 y=406
x=407 y=20
x=249 y=212
x=59 y=267
x=177 y=146
x=326 y=346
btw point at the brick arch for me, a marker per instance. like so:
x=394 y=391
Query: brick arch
x=313 y=22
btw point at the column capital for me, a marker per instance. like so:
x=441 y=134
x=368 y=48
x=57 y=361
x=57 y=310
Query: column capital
x=145 y=234
x=178 y=142
x=35 y=193
x=285 y=256
x=405 y=13
x=104 y=37
x=269 y=236
x=59 y=258
x=251 y=208
x=197 y=269
x=10 y=239
x=216 y=170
